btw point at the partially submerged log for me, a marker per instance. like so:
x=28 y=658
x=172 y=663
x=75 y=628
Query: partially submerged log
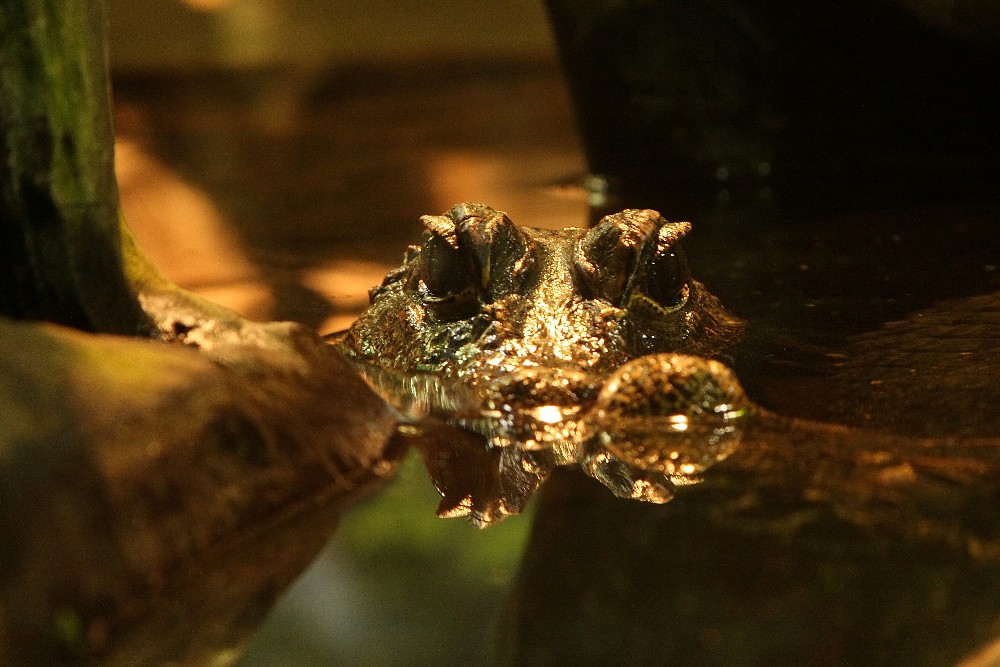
x=154 y=498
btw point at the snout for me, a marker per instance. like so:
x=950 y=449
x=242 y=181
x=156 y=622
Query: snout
x=670 y=413
x=534 y=407
x=535 y=388
x=667 y=413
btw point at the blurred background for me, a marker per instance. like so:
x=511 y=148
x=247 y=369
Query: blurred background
x=172 y=34
x=275 y=156
x=295 y=130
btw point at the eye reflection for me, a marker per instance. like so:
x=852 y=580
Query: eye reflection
x=472 y=255
x=444 y=269
x=607 y=256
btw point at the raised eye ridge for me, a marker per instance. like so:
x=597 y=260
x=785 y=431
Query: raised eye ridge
x=442 y=226
x=471 y=255
x=662 y=275
x=634 y=252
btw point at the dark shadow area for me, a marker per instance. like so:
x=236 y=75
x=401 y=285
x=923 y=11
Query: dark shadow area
x=842 y=106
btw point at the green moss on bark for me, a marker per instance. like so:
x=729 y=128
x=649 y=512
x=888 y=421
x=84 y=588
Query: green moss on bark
x=60 y=256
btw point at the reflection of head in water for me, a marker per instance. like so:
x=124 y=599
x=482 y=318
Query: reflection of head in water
x=569 y=346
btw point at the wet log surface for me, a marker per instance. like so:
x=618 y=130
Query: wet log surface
x=157 y=499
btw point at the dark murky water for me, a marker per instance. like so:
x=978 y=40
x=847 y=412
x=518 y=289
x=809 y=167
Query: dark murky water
x=287 y=195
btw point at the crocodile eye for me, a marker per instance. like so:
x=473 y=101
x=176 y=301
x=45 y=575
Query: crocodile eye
x=606 y=256
x=446 y=272
x=632 y=259
x=662 y=277
x=502 y=255
x=472 y=255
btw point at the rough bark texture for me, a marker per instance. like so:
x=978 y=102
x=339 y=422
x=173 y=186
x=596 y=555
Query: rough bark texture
x=59 y=249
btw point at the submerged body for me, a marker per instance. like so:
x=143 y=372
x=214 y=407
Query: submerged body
x=559 y=347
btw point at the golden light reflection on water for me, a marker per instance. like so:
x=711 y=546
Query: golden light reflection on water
x=549 y=414
x=187 y=236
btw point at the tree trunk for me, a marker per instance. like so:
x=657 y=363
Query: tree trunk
x=60 y=256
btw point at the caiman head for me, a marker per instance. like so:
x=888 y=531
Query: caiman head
x=588 y=346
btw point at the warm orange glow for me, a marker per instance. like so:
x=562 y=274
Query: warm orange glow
x=207 y=5
x=523 y=186
x=345 y=284
x=548 y=414
x=679 y=422
x=185 y=236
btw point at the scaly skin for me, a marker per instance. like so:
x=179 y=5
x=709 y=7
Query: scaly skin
x=570 y=346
